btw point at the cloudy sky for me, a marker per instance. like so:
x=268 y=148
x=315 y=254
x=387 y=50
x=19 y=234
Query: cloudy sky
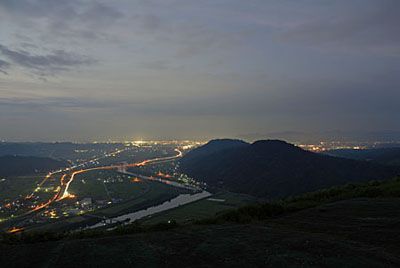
x=123 y=69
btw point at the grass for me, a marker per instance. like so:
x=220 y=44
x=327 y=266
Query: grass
x=226 y=245
x=372 y=189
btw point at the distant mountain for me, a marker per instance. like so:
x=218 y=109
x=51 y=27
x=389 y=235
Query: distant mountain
x=24 y=165
x=57 y=150
x=274 y=168
x=386 y=156
x=385 y=137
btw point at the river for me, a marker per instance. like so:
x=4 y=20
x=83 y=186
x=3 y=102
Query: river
x=173 y=203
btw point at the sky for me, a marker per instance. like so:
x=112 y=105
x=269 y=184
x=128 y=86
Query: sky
x=83 y=70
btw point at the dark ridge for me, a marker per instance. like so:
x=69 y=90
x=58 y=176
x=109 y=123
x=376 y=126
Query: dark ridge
x=215 y=146
x=274 y=168
x=12 y=165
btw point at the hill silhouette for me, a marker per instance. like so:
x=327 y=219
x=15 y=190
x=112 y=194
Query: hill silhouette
x=214 y=146
x=274 y=168
x=11 y=165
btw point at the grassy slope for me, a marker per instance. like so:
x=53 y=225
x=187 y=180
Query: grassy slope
x=374 y=222
x=310 y=238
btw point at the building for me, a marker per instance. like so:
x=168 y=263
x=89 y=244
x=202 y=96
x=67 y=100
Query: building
x=86 y=202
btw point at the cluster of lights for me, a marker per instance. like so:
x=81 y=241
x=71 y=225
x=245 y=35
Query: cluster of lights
x=61 y=191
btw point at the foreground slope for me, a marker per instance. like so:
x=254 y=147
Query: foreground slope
x=274 y=168
x=351 y=233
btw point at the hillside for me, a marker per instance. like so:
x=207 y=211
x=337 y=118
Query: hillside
x=350 y=233
x=274 y=168
x=11 y=165
x=386 y=156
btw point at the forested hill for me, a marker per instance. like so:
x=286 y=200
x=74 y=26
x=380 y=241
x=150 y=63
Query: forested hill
x=274 y=168
x=11 y=165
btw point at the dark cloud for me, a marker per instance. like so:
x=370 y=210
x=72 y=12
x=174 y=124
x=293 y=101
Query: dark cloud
x=374 y=28
x=38 y=8
x=72 y=18
x=57 y=60
x=3 y=66
x=72 y=9
x=150 y=23
x=67 y=103
x=156 y=65
x=179 y=65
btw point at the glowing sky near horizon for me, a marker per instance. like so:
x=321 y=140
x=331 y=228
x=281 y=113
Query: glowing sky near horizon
x=97 y=70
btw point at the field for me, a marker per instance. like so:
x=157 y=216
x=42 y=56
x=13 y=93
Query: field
x=106 y=185
x=17 y=188
x=13 y=187
x=202 y=209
